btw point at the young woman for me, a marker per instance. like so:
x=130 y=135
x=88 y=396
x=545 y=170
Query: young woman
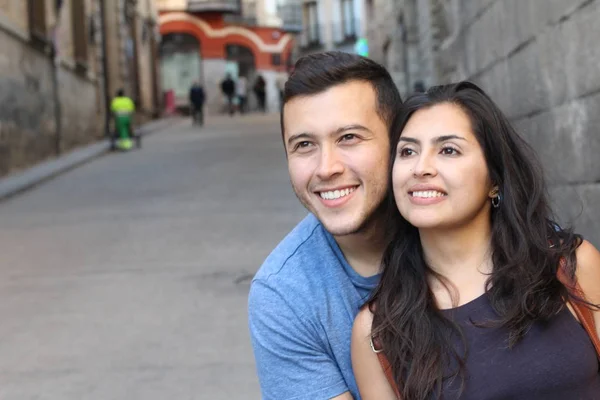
x=469 y=305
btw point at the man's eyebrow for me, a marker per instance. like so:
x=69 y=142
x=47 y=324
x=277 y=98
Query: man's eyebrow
x=306 y=135
x=303 y=135
x=351 y=127
x=438 y=139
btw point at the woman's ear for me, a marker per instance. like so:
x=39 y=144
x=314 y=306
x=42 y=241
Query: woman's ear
x=494 y=192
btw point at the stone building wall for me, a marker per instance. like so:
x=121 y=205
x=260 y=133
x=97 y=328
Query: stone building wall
x=27 y=123
x=130 y=57
x=81 y=115
x=538 y=59
x=53 y=105
x=28 y=93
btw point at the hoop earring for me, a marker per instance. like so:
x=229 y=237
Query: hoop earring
x=496 y=201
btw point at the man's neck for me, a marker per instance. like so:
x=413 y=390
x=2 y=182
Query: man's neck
x=363 y=250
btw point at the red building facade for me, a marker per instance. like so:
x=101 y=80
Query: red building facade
x=204 y=47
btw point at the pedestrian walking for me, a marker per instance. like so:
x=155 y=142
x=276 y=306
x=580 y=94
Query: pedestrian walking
x=197 y=98
x=242 y=93
x=260 y=91
x=228 y=89
x=282 y=78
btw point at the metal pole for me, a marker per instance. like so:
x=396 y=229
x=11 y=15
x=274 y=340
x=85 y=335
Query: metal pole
x=55 y=65
x=105 y=72
x=57 y=105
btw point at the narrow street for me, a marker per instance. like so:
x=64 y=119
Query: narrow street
x=127 y=278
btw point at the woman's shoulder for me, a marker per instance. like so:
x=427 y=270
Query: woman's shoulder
x=588 y=271
x=362 y=328
x=370 y=377
x=364 y=320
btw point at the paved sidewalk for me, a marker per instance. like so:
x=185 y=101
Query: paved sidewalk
x=21 y=181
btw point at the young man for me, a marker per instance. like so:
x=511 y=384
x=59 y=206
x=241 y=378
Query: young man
x=335 y=122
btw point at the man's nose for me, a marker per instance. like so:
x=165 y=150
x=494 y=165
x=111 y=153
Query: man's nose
x=330 y=164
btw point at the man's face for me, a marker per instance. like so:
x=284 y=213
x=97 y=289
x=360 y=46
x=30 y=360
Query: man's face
x=338 y=155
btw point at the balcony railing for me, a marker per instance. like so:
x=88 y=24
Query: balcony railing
x=291 y=16
x=247 y=15
x=241 y=20
x=224 y=6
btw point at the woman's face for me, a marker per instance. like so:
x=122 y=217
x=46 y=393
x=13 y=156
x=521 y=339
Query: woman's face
x=440 y=177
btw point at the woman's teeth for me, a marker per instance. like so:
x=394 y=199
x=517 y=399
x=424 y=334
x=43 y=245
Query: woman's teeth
x=428 y=193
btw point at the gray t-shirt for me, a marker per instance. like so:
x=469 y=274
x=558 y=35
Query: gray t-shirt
x=301 y=308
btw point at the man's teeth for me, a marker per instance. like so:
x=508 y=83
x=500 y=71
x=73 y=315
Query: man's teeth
x=428 y=193
x=336 y=194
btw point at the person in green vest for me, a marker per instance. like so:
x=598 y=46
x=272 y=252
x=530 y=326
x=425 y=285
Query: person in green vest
x=122 y=108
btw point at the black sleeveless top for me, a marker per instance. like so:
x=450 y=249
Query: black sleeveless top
x=555 y=360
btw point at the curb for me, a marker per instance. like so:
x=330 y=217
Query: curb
x=46 y=170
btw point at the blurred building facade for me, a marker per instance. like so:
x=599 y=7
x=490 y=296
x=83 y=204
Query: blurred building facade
x=204 y=40
x=332 y=25
x=132 y=38
x=54 y=81
x=537 y=59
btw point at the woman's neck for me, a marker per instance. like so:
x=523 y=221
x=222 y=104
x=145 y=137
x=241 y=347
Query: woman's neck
x=462 y=257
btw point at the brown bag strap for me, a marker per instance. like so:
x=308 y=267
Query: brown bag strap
x=583 y=312
x=385 y=365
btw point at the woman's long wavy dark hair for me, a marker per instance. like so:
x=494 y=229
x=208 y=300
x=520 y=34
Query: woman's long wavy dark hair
x=523 y=287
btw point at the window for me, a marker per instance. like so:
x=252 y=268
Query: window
x=276 y=59
x=80 y=38
x=37 y=21
x=312 y=24
x=348 y=23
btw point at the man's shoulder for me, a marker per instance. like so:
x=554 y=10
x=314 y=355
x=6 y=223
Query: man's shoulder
x=298 y=253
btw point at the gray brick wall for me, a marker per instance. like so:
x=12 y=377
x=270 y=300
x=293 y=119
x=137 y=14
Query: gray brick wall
x=27 y=124
x=82 y=119
x=27 y=116
x=539 y=59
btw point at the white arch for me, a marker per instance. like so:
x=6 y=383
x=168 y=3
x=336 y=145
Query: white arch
x=221 y=33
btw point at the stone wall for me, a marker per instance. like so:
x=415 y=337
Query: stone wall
x=28 y=128
x=539 y=61
x=27 y=123
x=82 y=115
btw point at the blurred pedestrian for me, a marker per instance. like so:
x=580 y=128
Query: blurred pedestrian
x=228 y=89
x=282 y=78
x=123 y=108
x=260 y=91
x=242 y=93
x=197 y=98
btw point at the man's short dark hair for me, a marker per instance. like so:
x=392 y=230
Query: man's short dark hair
x=120 y=92
x=315 y=73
